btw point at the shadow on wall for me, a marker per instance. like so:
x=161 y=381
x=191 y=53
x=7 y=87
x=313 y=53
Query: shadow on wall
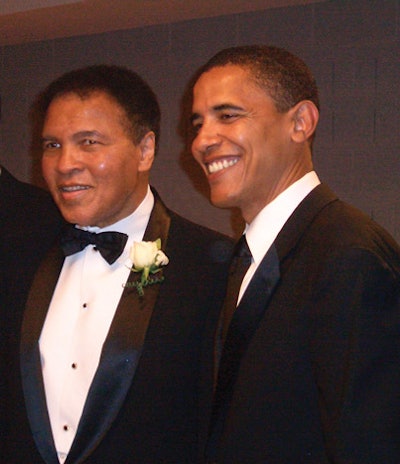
x=35 y=148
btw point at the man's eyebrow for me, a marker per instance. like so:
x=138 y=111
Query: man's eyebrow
x=227 y=106
x=46 y=138
x=217 y=108
x=86 y=134
x=76 y=136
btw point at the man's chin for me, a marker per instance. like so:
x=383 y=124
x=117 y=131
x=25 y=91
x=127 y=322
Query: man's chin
x=77 y=219
x=222 y=202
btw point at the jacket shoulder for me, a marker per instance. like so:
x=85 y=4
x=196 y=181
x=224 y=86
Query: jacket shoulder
x=205 y=241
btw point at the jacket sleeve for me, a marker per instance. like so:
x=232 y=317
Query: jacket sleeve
x=356 y=357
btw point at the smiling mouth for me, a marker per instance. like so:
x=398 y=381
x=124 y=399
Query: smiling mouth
x=219 y=165
x=73 y=188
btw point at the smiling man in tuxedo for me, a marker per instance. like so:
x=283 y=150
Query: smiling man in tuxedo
x=110 y=346
x=309 y=370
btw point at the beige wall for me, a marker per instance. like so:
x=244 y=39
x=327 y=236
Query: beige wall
x=353 y=47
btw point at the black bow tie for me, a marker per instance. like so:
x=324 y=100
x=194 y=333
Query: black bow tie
x=110 y=244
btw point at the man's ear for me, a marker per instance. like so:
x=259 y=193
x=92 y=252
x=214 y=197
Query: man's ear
x=305 y=120
x=147 y=148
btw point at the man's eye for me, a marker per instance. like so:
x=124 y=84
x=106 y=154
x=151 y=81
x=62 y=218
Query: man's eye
x=195 y=124
x=89 y=142
x=228 y=116
x=196 y=127
x=50 y=145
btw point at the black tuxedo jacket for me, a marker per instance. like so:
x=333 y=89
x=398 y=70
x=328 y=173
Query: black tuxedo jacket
x=320 y=380
x=145 y=404
x=29 y=224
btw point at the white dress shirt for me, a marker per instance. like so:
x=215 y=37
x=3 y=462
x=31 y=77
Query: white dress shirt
x=265 y=227
x=78 y=320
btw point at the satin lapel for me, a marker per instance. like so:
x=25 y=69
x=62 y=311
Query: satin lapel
x=277 y=258
x=31 y=372
x=121 y=352
x=244 y=323
x=260 y=289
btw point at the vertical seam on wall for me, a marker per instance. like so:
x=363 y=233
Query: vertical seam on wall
x=333 y=83
x=169 y=61
x=237 y=35
x=374 y=130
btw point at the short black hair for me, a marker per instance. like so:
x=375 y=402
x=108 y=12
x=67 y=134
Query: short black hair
x=126 y=87
x=284 y=76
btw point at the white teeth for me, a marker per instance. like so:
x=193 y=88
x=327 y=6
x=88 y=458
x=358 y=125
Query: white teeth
x=219 y=165
x=73 y=188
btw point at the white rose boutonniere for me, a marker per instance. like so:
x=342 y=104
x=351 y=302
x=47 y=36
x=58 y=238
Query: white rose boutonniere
x=147 y=258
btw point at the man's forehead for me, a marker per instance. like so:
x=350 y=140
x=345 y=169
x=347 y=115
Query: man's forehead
x=226 y=87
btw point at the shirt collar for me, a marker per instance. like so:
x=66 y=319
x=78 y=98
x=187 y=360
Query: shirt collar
x=265 y=227
x=133 y=225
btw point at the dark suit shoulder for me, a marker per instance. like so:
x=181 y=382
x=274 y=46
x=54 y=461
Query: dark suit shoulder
x=10 y=186
x=30 y=224
x=341 y=226
x=326 y=226
x=208 y=243
x=25 y=203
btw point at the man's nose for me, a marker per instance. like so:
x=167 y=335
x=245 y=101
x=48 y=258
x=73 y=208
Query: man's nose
x=206 y=138
x=68 y=159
